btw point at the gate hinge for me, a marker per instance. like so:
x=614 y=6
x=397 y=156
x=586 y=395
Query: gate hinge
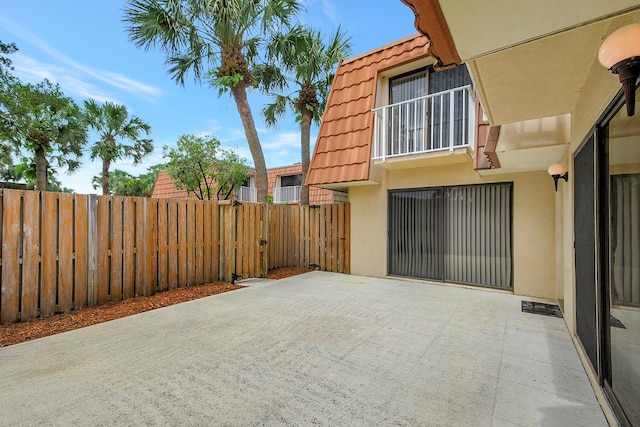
x=237 y=203
x=235 y=277
x=314 y=206
x=314 y=266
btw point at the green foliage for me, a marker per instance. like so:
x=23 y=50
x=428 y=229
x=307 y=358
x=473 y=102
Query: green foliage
x=215 y=38
x=114 y=125
x=303 y=58
x=122 y=183
x=199 y=166
x=26 y=173
x=43 y=126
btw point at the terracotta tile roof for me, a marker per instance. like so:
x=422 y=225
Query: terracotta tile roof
x=165 y=189
x=343 y=148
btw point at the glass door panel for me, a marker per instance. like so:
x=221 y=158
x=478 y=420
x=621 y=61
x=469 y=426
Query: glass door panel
x=624 y=260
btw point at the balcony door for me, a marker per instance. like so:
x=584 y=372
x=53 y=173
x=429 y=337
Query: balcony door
x=406 y=125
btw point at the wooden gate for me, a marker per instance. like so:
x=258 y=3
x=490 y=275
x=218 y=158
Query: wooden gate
x=243 y=240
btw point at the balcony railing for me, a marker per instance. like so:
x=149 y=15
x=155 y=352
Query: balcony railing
x=247 y=194
x=286 y=194
x=441 y=121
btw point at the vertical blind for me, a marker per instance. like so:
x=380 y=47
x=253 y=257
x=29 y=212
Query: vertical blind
x=625 y=239
x=457 y=234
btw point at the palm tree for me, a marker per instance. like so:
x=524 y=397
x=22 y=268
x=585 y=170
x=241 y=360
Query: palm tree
x=113 y=123
x=218 y=39
x=309 y=64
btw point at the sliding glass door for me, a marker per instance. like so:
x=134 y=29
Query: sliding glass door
x=622 y=325
x=460 y=234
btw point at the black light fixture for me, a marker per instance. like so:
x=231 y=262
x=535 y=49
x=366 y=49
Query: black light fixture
x=620 y=54
x=557 y=172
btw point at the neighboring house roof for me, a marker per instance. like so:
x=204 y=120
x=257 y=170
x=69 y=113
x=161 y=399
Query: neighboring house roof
x=165 y=189
x=343 y=148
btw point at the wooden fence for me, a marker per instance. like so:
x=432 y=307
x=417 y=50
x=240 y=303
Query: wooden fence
x=66 y=251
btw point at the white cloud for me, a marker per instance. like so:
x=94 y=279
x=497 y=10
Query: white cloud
x=33 y=71
x=327 y=8
x=70 y=67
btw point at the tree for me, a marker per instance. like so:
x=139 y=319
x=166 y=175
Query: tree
x=113 y=124
x=215 y=38
x=7 y=79
x=122 y=183
x=308 y=63
x=44 y=126
x=25 y=172
x=201 y=167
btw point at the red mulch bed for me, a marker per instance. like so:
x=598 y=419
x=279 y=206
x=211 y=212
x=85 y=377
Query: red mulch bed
x=20 y=332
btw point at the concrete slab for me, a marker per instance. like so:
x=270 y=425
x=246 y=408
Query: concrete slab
x=320 y=348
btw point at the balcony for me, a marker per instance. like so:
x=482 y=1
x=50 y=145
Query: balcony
x=247 y=194
x=286 y=194
x=440 y=122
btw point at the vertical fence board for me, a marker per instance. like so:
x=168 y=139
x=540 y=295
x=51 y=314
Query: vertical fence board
x=80 y=251
x=172 y=250
x=115 y=284
x=199 y=243
x=247 y=261
x=30 y=255
x=151 y=246
x=254 y=241
x=65 y=252
x=140 y=220
x=307 y=235
x=347 y=238
x=92 y=250
x=103 y=222
x=191 y=248
x=206 y=242
x=341 y=237
x=215 y=242
x=228 y=248
x=48 y=250
x=182 y=245
x=11 y=234
x=128 y=244
x=334 y=237
x=162 y=246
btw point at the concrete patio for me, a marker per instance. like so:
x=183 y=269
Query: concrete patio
x=321 y=349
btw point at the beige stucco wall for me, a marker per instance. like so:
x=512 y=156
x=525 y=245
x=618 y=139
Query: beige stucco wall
x=533 y=222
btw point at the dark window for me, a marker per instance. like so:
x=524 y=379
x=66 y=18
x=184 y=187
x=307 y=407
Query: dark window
x=291 y=180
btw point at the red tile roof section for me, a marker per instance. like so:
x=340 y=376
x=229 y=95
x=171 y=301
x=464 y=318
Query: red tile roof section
x=165 y=189
x=343 y=148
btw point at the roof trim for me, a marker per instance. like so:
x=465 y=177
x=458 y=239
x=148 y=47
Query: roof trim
x=431 y=22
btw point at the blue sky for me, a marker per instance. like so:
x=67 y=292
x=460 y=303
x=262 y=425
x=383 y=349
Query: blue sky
x=83 y=46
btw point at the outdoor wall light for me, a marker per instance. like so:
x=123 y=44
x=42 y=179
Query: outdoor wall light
x=557 y=171
x=620 y=53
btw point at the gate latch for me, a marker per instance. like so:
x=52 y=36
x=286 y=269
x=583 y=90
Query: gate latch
x=263 y=242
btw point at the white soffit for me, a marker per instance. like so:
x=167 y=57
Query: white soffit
x=479 y=28
x=545 y=77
